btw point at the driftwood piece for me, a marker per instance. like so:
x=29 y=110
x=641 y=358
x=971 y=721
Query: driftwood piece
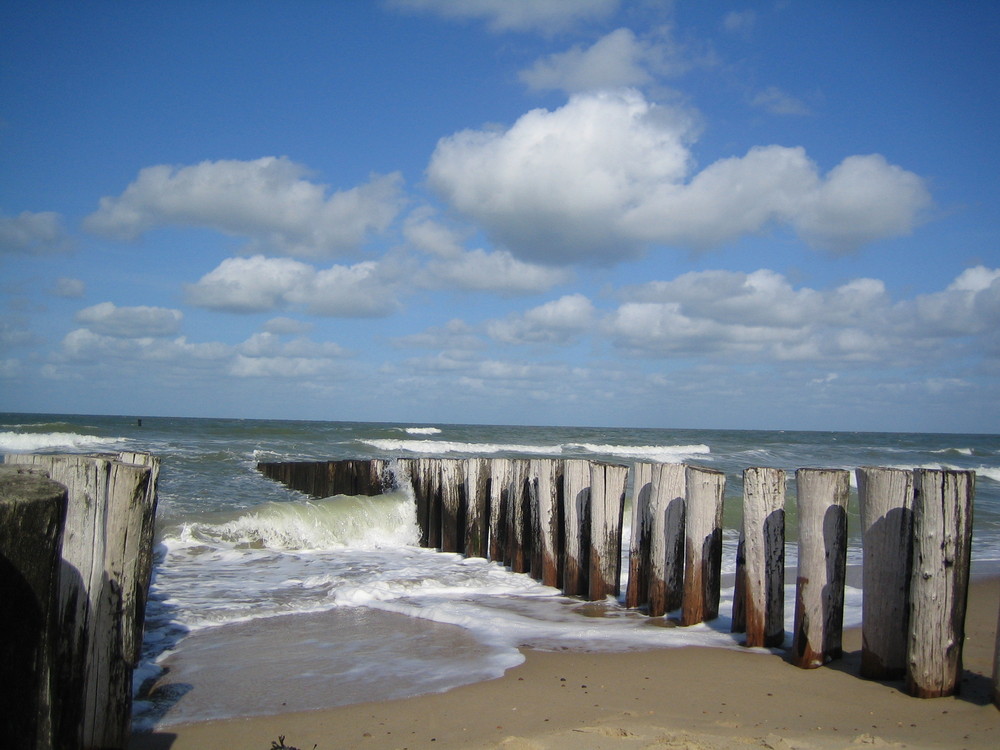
x=819 y=590
x=704 y=497
x=942 y=546
x=576 y=506
x=885 y=499
x=32 y=515
x=607 y=507
x=759 y=602
x=639 y=563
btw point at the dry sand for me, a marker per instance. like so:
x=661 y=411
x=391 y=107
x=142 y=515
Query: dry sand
x=684 y=698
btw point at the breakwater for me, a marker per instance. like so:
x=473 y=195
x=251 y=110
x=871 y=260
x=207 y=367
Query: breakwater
x=76 y=551
x=561 y=521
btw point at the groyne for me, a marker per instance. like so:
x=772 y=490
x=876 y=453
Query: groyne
x=561 y=521
x=76 y=552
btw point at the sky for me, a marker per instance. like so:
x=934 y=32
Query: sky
x=731 y=215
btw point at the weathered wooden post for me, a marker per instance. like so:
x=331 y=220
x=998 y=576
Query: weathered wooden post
x=452 y=517
x=608 y=483
x=576 y=505
x=637 y=588
x=942 y=552
x=760 y=575
x=885 y=499
x=430 y=470
x=499 y=488
x=666 y=584
x=546 y=519
x=704 y=496
x=32 y=514
x=102 y=592
x=477 y=478
x=518 y=513
x=819 y=590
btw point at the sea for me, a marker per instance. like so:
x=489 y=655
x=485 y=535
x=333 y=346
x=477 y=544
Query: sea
x=265 y=601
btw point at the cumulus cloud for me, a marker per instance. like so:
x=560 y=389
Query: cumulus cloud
x=615 y=60
x=544 y=16
x=269 y=201
x=32 y=233
x=282 y=325
x=559 y=321
x=260 y=284
x=107 y=319
x=610 y=173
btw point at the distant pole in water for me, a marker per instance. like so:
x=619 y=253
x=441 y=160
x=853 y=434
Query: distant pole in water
x=138 y=422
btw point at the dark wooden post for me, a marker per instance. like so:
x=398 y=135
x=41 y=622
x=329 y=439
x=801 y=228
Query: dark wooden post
x=499 y=489
x=704 y=495
x=32 y=514
x=477 y=478
x=819 y=590
x=760 y=570
x=942 y=552
x=576 y=504
x=607 y=507
x=452 y=517
x=546 y=520
x=885 y=498
x=639 y=563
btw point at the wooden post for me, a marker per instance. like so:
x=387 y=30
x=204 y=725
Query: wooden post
x=110 y=513
x=546 y=520
x=666 y=548
x=499 y=488
x=885 y=498
x=637 y=589
x=430 y=468
x=942 y=545
x=477 y=477
x=518 y=528
x=607 y=507
x=704 y=496
x=819 y=590
x=452 y=516
x=760 y=569
x=576 y=504
x=32 y=514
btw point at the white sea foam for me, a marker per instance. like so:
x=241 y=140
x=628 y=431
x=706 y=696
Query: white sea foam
x=422 y=431
x=662 y=453
x=29 y=442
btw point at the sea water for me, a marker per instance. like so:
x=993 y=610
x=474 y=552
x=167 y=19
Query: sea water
x=264 y=600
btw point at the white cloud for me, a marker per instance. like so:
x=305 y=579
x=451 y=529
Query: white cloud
x=32 y=233
x=268 y=201
x=740 y=22
x=559 y=321
x=613 y=61
x=608 y=173
x=68 y=287
x=107 y=319
x=456 y=335
x=259 y=284
x=778 y=102
x=554 y=186
x=544 y=16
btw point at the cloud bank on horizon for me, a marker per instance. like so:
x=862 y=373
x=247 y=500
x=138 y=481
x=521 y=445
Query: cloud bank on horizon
x=556 y=211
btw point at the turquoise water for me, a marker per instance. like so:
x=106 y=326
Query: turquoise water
x=331 y=602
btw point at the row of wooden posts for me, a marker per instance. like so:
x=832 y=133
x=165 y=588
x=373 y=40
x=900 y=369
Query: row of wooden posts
x=76 y=553
x=561 y=521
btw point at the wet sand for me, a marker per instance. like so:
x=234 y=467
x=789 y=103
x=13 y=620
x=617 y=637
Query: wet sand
x=686 y=698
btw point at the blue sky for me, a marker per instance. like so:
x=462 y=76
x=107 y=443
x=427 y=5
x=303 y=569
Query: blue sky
x=776 y=215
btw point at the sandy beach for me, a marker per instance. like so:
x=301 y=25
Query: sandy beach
x=691 y=698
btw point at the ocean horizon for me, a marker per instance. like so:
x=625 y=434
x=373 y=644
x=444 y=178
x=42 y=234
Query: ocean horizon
x=264 y=600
